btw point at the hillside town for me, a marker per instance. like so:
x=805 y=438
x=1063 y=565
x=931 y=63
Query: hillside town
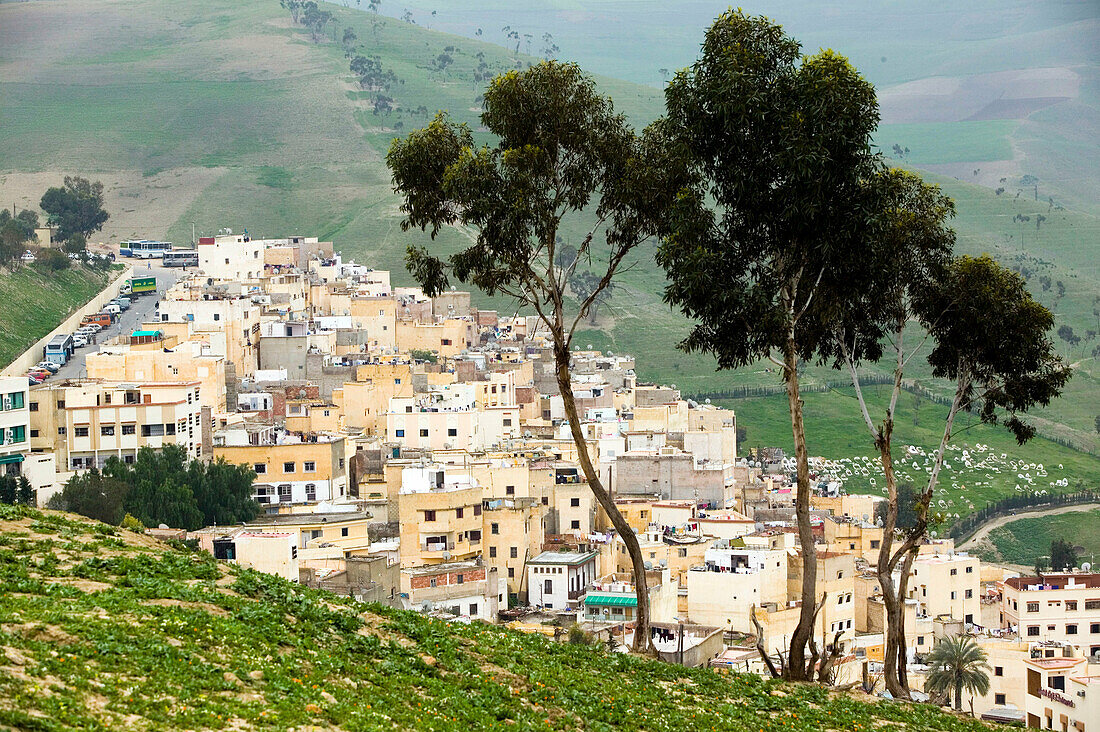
x=414 y=451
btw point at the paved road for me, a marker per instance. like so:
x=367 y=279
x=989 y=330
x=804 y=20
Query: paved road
x=140 y=311
x=983 y=532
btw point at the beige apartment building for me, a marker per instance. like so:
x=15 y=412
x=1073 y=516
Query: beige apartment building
x=365 y=402
x=290 y=468
x=86 y=422
x=1061 y=607
x=166 y=360
x=947 y=584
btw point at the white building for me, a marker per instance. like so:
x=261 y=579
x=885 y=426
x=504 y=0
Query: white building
x=558 y=579
x=15 y=422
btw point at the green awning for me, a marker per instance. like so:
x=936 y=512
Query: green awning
x=9 y=459
x=146 y=333
x=614 y=600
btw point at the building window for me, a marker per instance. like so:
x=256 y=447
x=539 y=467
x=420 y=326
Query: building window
x=511 y=572
x=259 y=468
x=429 y=515
x=681 y=552
x=954 y=595
x=61 y=430
x=288 y=467
x=920 y=640
x=107 y=430
x=954 y=571
x=513 y=552
x=1033 y=631
x=969 y=594
x=311 y=492
x=1094 y=628
x=284 y=492
x=34 y=406
x=492 y=552
x=344 y=531
x=170 y=428
x=494 y=528
x=970 y=570
x=507 y=422
x=309 y=466
x=129 y=429
x=1033 y=607
x=875 y=543
x=452 y=432
x=473 y=608
x=458 y=512
x=999 y=699
x=460 y=579
x=340 y=463
x=1071 y=630
x=1058 y=682
x=1071 y=605
x=998 y=670
x=423 y=433
x=152 y=430
x=574 y=502
x=34 y=433
x=477 y=509
x=510 y=490
x=431 y=582
x=399 y=433
x=574 y=524
x=80 y=432
x=475 y=536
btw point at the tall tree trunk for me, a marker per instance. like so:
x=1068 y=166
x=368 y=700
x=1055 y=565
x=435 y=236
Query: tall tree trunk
x=958 y=697
x=796 y=669
x=641 y=642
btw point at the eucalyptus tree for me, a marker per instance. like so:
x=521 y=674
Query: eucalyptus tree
x=763 y=238
x=562 y=157
x=989 y=337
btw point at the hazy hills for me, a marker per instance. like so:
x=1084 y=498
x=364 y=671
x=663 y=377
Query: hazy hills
x=207 y=114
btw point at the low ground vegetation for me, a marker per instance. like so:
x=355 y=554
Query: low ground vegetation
x=102 y=628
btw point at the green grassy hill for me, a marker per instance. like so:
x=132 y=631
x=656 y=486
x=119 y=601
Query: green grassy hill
x=205 y=115
x=103 y=629
x=33 y=302
x=1023 y=541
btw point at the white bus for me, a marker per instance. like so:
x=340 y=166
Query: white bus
x=144 y=248
x=181 y=258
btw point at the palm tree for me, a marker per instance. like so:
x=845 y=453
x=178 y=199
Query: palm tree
x=957 y=663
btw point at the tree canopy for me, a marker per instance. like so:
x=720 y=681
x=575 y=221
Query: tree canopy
x=75 y=208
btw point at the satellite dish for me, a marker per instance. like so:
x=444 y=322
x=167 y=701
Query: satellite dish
x=708 y=400
x=1086 y=566
x=866 y=517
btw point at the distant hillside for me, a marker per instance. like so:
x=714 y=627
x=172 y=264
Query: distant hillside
x=104 y=629
x=205 y=114
x=34 y=302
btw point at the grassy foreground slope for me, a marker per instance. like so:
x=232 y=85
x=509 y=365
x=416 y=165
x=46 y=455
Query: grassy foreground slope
x=1027 y=539
x=104 y=629
x=33 y=302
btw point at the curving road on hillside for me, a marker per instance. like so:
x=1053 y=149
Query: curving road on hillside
x=983 y=532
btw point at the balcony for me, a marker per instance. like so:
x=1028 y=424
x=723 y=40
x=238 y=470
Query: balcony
x=437 y=546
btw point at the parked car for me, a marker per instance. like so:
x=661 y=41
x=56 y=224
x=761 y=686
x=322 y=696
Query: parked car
x=33 y=380
x=53 y=368
x=91 y=327
x=125 y=302
x=79 y=341
x=40 y=374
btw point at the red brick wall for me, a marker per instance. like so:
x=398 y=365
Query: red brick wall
x=443 y=579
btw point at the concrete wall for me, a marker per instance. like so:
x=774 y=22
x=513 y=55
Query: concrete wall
x=33 y=355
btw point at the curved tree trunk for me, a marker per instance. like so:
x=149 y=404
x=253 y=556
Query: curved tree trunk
x=603 y=497
x=796 y=668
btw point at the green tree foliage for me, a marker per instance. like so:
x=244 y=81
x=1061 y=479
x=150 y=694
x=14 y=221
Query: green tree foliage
x=53 y=260
x=94 y=495
x=75 y=208
x=1063 y=557
x=315 y=19
x=762 y=241
x=16 y=490
x=908 y=497
x=15 y=232
x=163 y=487
x=560 y=153
x=131 y=523
x=957 y=663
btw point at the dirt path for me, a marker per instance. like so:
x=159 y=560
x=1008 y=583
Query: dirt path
x=981 y=535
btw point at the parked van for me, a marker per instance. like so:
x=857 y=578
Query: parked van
x=101 y=319
x=112 y=308
x=123 y=302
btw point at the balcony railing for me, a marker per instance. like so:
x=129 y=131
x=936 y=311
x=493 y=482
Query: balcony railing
x=439 y=546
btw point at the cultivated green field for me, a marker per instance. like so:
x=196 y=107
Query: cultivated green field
x=835 y=430
x=33 y=302
x=1025 y=540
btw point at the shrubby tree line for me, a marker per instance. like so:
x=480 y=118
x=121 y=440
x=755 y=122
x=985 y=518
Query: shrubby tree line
x=162 y=487
x=966 y=525
x=76 y=211
x=16 y=490
x=783 y=234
